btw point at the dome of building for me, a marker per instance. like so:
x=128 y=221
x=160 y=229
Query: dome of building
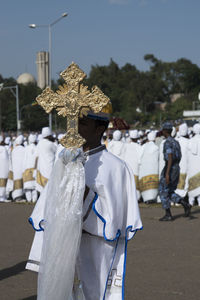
x=25 y=78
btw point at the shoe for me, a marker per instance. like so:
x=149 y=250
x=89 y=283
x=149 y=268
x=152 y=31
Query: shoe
x=187 y=207
x=19 y=200
x=187 y=210
x=150 y=202
x=166 y=218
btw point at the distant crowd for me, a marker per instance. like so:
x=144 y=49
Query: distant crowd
x=26 y=162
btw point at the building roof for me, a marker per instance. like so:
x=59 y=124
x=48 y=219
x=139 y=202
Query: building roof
x=25 y=78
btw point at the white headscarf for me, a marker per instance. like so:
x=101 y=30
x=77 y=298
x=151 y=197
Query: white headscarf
x=151 y=136
x=46 y=131
x=7 y=140
x=32 y=138
x=183 y=129
x=19 y=140
x=134 y=134
x=117 y=135
x=196 y=128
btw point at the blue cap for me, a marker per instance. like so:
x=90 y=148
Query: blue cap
x=167 y=125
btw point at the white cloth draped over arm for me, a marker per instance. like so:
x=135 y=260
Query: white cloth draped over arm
x=63 y=227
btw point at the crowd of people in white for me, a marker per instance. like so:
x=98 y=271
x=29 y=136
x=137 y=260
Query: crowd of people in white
x=26 y=162
x=143 y=151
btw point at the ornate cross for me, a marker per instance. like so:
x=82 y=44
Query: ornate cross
x=73 y=100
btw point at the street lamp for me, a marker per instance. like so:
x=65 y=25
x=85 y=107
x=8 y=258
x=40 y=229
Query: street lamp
x=16 y=95
x=33 y=26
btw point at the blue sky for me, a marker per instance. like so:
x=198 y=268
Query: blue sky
x=97 y=30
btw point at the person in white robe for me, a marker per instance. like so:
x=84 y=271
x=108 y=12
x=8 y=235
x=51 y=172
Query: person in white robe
x=29 y=169
x=127 y=137
x=4 y=169
x=59 y=146
x=39 y=137
x=182 y=186
x=116 y=146
x=8 y=144
x=17 y=158
x=108 y=222
x=10 y=183
x=174 y=133
x=194 y=166
x=132 y=155
x=46 y=153
x=148 y=169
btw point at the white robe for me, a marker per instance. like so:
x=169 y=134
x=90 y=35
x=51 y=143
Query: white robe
x=58 y=150
x=112 y=180
x=17 y=157
x=46 y=151
x=132 y=156
x=4 y=169
x=182 y=186
x=194 y=166
x=29 y=167
x=108 y=225
x=10 y=183
x=148 y=171
x=117 y=148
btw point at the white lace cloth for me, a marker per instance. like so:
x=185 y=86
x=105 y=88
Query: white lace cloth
x=63 y=227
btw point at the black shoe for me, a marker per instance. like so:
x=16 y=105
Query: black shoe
x=166 y=218
x=150 y=202
x=19 y=199
x=187 y=207
x=187 y=210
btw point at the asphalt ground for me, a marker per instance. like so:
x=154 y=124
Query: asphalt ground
x=163 y=259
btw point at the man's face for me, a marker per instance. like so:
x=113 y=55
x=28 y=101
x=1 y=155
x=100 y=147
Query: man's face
x=165 y=133
x=87 y=129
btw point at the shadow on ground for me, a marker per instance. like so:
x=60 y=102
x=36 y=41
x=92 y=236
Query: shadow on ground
x=12 y=271
x=192 y=217
x=30 y=298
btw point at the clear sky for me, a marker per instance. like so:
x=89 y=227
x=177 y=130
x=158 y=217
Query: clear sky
x=97 y=30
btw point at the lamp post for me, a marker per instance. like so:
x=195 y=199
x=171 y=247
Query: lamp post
x=16 y=95
x=49 y=26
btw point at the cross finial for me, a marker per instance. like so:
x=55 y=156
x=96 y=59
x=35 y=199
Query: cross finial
x=72 y=100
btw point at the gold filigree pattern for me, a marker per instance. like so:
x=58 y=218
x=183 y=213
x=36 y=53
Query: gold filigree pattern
x=28 y=175
x=73 y=100
x=136 y=182
x=10 y=175
x=3 y=182
x=41 y=180
x=18 y=184
x=194 y=182
x=149 y=182
x=181 y=182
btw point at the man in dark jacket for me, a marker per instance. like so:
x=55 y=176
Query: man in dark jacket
x=170 y=174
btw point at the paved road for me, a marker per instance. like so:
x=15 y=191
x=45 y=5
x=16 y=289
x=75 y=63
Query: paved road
x=163 y=259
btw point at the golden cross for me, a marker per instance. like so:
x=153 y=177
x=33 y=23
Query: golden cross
x=73 y=100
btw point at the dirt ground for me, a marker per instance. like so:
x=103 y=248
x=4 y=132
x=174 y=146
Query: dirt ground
x=163 y=259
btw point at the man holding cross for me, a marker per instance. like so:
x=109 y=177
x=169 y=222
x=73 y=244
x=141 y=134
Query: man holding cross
x=109 y=213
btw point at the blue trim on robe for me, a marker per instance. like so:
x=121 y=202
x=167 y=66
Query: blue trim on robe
x=128 y=229
x=108 y=240
x=33 y=225
x=104 y=221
